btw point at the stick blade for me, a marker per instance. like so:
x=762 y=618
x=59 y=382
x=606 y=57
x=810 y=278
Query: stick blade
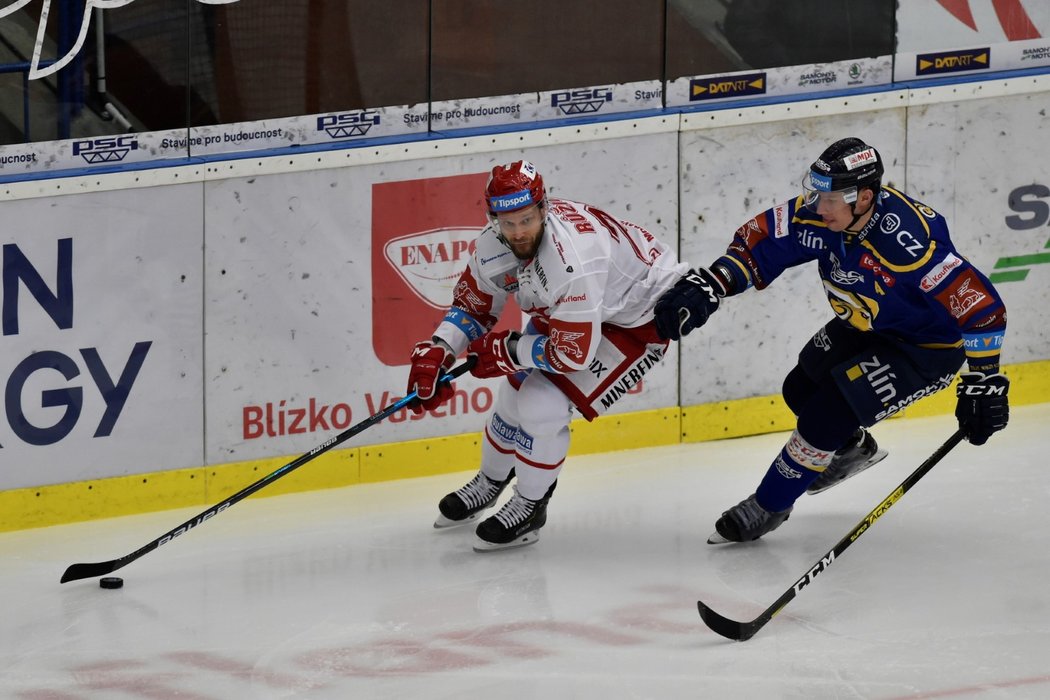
x=75 y=572
x=730 y=629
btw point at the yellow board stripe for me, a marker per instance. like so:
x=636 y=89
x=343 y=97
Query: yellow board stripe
x=204 y=486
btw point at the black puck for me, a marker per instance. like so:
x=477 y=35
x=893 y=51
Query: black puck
x=111 y=582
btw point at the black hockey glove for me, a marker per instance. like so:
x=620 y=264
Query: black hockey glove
x=983 y=408
x=687 y=305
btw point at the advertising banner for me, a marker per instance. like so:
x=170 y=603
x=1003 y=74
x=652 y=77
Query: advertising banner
x=982 y=164
x=102 y=335
x=713 y=90
x=423 y=232
x=319 y=284
x=940 y=38
x=333 y=128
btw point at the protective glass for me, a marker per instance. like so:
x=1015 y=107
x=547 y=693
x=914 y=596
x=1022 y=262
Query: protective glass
x=817 y=188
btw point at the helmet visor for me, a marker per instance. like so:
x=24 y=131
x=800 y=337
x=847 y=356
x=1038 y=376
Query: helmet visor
x=817 y=188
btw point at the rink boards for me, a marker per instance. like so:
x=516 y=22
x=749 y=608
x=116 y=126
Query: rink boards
x=176 y=333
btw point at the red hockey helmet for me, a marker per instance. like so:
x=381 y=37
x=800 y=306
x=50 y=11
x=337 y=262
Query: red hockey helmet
x=514 y=187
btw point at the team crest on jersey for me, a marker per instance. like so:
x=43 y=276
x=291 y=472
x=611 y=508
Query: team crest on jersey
x=468 y=298
x=841 y=276
x=751 y=233
x=856 y=309
x=570 y=343
x=965 y=296
x=567 y=343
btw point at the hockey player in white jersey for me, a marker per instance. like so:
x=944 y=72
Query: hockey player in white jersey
x=588 y=281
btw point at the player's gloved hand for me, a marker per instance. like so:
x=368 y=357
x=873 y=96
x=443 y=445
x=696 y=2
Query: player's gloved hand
x=982 y=408
x=687 y=305
x=495 y=354
x=430 y=361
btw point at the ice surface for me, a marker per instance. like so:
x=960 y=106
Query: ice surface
x=351 y=593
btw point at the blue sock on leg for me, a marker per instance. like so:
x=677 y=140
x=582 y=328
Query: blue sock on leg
x=795 y=468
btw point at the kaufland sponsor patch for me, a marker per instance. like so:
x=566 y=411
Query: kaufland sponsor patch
x=861 y=159
x=937 y=276
x=780 y=221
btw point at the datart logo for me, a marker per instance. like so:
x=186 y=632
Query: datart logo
x=585 y=101
x=35 y=71
x=952 y=61
x=107 y=149
x=348 y=124
x=723 y=86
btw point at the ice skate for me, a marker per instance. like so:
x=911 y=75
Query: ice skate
x=746 y=521
x=516 y=524
x=851 y=459
x=468 y=503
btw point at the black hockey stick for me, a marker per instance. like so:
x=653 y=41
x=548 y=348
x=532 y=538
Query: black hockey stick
x=79 y=571
x=742 y=631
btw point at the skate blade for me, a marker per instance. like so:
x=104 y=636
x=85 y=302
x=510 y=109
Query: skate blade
x=875 y=459
x=481 y=545
x=715 y=538
x=443 y=523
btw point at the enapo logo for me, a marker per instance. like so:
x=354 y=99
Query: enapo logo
x=430 y=262
x=423 y=233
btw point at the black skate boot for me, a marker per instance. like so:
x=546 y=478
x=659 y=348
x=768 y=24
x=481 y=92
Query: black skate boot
x=746 y=521
x=468 y=503
x=851 y=459
x=516 y=524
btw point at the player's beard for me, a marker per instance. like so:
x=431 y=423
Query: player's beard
x=527 y=251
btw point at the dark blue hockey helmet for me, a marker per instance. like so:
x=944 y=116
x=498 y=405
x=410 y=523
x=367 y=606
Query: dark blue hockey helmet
x=846 y=166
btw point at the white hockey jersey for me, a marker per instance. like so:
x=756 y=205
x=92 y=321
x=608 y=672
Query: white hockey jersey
x=590 y=269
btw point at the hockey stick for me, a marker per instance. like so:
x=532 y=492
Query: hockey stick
x=742 y=631
x=79 y=571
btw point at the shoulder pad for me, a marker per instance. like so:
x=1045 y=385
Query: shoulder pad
x=901 y=237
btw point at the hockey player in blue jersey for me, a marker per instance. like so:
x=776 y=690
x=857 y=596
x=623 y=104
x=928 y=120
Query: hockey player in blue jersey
x=909 y=310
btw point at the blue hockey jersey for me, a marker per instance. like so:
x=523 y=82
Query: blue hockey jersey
x=900 y=275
